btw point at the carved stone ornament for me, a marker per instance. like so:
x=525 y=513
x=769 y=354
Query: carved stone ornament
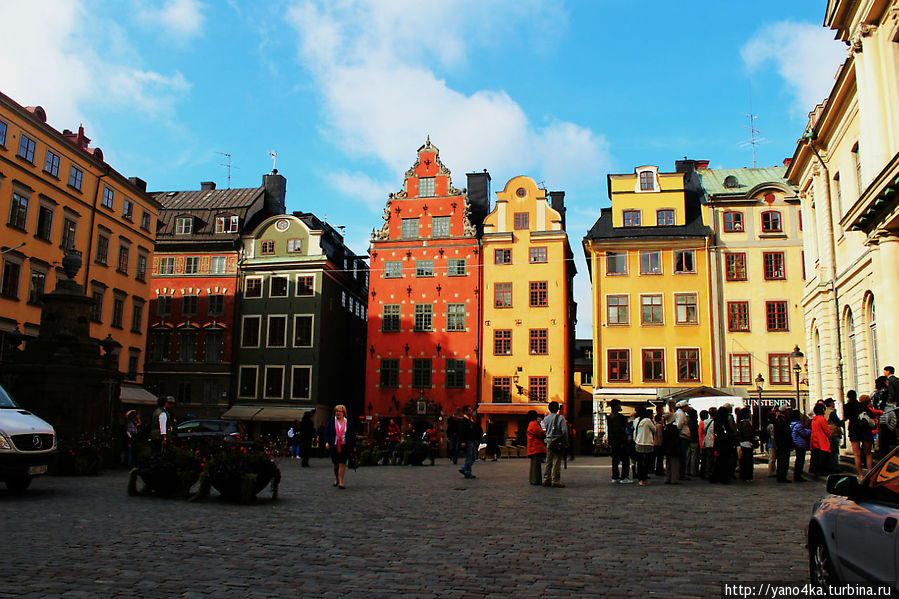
x=855 y=41
x=467 y=228
x=441 y=168
x=383 y=233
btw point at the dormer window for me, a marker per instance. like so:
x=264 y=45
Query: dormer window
x=426 y=187
x=665 y=218
x=647 y=182
x=226 y=224
x=771 y=222
x=268 y=247
x=184 y=225
x=733 y=222
x=630 y=218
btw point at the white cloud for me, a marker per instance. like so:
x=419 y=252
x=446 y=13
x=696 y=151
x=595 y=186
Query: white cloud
x=378 y=74
x=806 y=57
x=69 y=64
x=362 y=187
x=180 y=18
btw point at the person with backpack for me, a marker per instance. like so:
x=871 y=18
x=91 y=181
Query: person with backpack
x=616 y=425
x=671 y=449
x=835 y=428
x=556 y=428
x=801 y=434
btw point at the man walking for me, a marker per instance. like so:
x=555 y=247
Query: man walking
x=556 y=428
x=616 y=424
x=470 y=434
x=783 y=443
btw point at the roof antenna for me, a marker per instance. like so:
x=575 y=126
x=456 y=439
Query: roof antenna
x=274 y=156
x=753 y=132
x=227 y=165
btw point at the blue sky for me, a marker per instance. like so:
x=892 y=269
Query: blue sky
x=345 y=91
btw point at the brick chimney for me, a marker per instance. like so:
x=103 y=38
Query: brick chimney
x=207 y=185
x=79 y=139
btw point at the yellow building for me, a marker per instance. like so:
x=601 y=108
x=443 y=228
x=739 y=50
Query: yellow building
x=59 y=194
x=528 y=306
x=648 y=257
x=758 y=276
x=846 y=167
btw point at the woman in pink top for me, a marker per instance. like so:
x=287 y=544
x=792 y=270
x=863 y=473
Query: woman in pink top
x=340 y=440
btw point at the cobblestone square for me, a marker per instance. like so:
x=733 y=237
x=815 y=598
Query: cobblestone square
x=407 y=532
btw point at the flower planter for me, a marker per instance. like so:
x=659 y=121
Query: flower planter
x=240 y=475
x=173 y=473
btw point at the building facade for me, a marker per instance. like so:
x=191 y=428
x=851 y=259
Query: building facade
x=193 y=296
x=648 y=256
x=302 y=313
x=846 y=166
x=60 y=195
x=528 y=305
x=424 y=305
x=758 y=277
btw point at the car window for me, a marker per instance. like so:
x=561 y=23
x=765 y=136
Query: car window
x=883 y=484
x=5 y=399
x=189 y=426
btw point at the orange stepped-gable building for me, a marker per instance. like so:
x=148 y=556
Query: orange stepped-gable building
x=424 y=311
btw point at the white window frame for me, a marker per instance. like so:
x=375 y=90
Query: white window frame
x=311 y=333
x=265 y=382
x=296 y=287
x=184 y=225
x=261 y=282
x=293 y=370
x=243 y=326
x=222 y=260
x=271 y=280
x=240 y=372
x=268 y=327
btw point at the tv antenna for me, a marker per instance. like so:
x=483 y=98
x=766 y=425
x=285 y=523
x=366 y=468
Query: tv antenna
x=227 y=165
x=274 y=156
x=754 y=139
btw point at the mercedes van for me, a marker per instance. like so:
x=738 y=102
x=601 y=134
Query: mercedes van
x=27 y=444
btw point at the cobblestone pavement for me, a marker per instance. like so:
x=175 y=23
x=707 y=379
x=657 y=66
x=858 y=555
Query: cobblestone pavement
x=406 y=532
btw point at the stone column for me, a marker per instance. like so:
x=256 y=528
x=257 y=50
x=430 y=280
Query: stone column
x=886 y=291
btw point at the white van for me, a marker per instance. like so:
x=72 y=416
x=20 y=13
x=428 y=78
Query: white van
x=27 y=444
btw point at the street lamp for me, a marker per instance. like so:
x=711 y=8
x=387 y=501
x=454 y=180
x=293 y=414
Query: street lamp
x=759 y=383
x=798 y=359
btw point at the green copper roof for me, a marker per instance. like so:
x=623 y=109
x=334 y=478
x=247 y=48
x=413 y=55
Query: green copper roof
x=746 y=179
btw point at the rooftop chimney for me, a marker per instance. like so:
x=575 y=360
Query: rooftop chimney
x=139 y=183
x=207 y=185
x=79 y=139
x=557 y=203
x=479 y=198
x=275 y=193
x=787 y=161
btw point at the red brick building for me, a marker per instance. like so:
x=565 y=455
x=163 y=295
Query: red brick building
x=193 y=290
x=424 y=314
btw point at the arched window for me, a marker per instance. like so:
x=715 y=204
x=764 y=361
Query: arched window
x=771 y=222
x=871 y=321
x=851 y=353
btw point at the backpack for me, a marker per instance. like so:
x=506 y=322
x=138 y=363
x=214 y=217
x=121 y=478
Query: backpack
x=670 y=438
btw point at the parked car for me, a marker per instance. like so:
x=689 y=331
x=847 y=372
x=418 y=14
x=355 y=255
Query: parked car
x=27 y=444
x=228 y=431
x=852 y=533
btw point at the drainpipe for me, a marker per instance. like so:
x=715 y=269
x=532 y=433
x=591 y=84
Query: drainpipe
x=809 y=138
x=90 y=239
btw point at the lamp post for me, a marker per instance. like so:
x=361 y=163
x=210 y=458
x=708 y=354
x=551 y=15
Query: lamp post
x=798 y=359
x=759 y=383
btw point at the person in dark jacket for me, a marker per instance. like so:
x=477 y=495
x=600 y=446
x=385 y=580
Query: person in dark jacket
x=470 y=434
x=494 y=439
x=783 y=443
x=307 y=434
x=340 y=440
x=616 y=425
x=724 y=431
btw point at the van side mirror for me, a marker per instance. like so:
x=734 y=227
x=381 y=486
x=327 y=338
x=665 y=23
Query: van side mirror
x=844 y=485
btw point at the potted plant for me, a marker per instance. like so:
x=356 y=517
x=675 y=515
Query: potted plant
x=239 y=473
x=173 y=472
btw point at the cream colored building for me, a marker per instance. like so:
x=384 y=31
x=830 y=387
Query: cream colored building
x=758 y=278
x=846 y=167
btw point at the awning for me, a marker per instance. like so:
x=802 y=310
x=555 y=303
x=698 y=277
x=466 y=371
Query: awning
x=265 y=413
x=135 y=394
x=511 y=408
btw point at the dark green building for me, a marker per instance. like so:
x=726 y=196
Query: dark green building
x=302 y=310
